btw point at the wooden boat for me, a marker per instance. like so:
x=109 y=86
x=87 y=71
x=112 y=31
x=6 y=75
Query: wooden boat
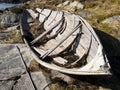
x=65 y=34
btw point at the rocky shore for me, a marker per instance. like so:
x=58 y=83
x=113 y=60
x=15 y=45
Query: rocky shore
x=104 y=16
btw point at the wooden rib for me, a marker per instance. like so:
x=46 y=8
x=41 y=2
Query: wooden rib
x=46 y=32
x=53 y=36
x=55 y=58
x=45 y=18
x=41 y=12
x=84 y=57
x=53 y=18
x=60 y=42
x=61 y=29
x=89 y=28
x=62 y=69
x=64 y=27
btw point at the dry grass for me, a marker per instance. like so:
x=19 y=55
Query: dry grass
x=45 y=4
x=104 y=10
x=79 y=86
x=15 y=37
x=35 y=66
x=101 y=10
x=2 y=28
x=56 y=86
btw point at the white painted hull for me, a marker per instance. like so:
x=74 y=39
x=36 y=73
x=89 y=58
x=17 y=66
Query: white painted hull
x=84 y=43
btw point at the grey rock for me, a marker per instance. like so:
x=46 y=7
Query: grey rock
x=10 y=62
x=85 y=14
x=115 y=18
x=4 y=35
x=24 y=83
x=40 y=80
x=63 y=4
x=6 y=85
x=13 y=73
x=77 y=5
x=66 y=3
x=25 y=53
x=9 y=19
x=71 y=6
x=8 y=52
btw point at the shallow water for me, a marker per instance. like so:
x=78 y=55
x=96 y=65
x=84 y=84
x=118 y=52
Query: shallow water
x=7 y=5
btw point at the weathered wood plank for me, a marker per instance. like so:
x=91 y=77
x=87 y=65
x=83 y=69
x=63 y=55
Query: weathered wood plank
x=56 y=58
x=67 y=42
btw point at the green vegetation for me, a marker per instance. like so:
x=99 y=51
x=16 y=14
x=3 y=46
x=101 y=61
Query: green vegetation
x=34 y=66
x=45 y=4
x=105 y=27
x=16 y=10
x=101 y=10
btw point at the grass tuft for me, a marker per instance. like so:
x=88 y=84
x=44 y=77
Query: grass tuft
x=16 y=10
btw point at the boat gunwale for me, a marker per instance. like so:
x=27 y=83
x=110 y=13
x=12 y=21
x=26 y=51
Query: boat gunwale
x=62 y=69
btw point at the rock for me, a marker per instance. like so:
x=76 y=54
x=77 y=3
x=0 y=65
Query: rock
x=85 y=14
x=59 y=5
x=12 y=70
x=6 y=85
x=25 y=53
x=4 y=35
x=40 y=80
x=24 y=83
x=71 y=6
x=77 y=5
x=115 y=18
x=66 y=3
x=9 y=19
x=10 y=62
